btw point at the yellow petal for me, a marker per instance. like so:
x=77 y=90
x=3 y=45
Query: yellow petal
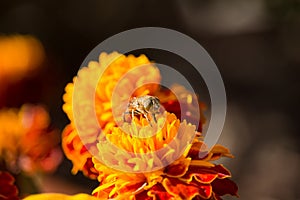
x=56 y=196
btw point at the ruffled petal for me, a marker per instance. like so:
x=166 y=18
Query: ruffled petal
x=224 y=186
x=187 y=190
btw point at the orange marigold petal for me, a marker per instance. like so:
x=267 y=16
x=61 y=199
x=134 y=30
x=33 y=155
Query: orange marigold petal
x=77 y=153
x=199 y=151
x=218 y=151
x=57 y=196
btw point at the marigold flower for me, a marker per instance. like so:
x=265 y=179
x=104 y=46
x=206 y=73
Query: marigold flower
x=188 y=177
x=27 y=142
x=19 y=55
x=166 y=160
x=112 y=67
x=7 y=188
x=56 y=196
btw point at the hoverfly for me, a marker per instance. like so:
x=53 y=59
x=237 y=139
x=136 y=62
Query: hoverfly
x=144 y=105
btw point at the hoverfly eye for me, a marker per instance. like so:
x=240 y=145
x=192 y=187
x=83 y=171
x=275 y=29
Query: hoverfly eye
x=156 y=104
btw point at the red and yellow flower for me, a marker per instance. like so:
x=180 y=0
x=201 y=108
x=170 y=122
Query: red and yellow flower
x=190 y=172
x=27 y=142
x=188 y=177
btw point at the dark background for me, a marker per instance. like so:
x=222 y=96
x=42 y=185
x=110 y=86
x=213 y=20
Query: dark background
x=255 y=44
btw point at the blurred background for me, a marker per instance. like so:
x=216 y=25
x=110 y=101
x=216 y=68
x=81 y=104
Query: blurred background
x=255 y=44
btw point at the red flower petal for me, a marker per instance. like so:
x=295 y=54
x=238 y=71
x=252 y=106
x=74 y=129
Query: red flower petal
x=143 y=195
x=219 y=151
x=7 y=188
x=200 y=176
x=89 y=169
x=206 y=175
x=205 y=178
x=158 y=192
x=177 y=169
x=187 y=190
x=222 y=171
x=6 y=178
x=198 y=151
x=224 y=186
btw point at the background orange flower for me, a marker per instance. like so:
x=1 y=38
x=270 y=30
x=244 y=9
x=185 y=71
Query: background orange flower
x=20 y=56
x=28 y=142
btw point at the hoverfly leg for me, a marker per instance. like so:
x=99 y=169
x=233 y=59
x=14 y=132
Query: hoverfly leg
x=153 y=115
x=146 y=116
x=132 y=115
x=124 y=115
